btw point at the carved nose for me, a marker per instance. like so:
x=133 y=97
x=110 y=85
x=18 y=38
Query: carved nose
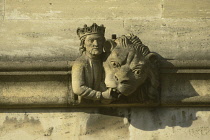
x=121 y=80
x=124 y=82
x=95 y=42
x=116 y=78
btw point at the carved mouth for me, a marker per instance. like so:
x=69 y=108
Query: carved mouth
x=95 y=51
x=125 y=89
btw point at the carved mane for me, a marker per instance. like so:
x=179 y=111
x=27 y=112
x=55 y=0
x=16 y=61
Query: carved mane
x=148 y=91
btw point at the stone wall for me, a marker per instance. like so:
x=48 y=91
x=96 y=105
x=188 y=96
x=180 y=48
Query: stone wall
x=33 y=30
x=45 y=29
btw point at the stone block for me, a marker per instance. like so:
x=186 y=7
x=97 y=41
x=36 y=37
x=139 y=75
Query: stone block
x=33 y=90
x=105 y=123
x=185 y=89
x=87 y=124
x=83 y=9
x=174 y=38
x=186 y=9
x=46 y=40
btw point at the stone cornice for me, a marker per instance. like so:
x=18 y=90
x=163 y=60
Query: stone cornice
x=48 y=84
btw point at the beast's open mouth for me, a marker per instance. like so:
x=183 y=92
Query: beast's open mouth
x=125 y=89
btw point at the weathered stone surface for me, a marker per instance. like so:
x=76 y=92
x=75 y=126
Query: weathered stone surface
x=2 y=9
x=46 y=40
x=174 y=38
x=63 y=124
x=170 y=123
x=84 y=9
x=179 y=34
x=57 y=40
x=103 y=124
x=186 y=9
x=33 y=90
x=35 y=66
x=185 y=89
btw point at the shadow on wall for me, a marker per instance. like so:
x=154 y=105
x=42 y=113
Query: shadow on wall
x=151 y=119
x=175 y=88
x=187 y=88
x=159 y=118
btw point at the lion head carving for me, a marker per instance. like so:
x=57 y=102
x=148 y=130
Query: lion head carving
x=132 y=69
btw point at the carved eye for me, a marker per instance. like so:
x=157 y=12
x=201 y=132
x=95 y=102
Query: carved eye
x=137 y=71
x=115 y=64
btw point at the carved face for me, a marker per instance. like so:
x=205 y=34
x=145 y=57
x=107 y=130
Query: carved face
x=125 y=70
x=94 y=44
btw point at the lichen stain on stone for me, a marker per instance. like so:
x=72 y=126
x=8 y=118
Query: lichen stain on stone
x=198 y=131
x=98 y=124
x=49 y=131
x=17 y=14
x=28 y=124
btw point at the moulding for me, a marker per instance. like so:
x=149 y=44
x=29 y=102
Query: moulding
x=183 y=83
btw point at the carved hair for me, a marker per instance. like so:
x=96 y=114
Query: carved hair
x=134 y=42
x=82 y=43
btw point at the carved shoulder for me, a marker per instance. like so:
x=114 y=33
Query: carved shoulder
x=80 y=62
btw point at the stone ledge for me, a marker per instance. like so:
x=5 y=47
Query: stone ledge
x=66 y=65
x=48 y=84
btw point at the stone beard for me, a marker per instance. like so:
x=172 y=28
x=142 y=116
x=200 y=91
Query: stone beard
x=94 y=45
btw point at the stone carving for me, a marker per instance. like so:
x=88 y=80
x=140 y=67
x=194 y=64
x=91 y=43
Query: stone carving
x=132 y=69
x=115 y=70
x=87 y=71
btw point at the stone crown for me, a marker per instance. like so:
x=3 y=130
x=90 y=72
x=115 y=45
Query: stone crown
x=93 y=29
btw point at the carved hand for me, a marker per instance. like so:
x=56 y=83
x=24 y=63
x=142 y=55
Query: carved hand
x=106 y=95
x=110 y=94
